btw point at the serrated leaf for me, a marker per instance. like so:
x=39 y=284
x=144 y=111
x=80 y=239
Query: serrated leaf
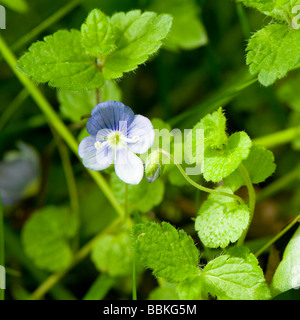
x=272 y=52
x=235 y=276
x=62 y=61
x=46 y=235
x=170 y=253
x=278 y=9
x=137 y=36
x=75 y=104
x=259 y=164
x=187 y=31
x=221 y=220
x=98 y=34
x=219 y=164
x=142 y=197
x=287 y=275
x=113 y=254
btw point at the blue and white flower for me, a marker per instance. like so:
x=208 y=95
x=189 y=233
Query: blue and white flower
x=116 y=136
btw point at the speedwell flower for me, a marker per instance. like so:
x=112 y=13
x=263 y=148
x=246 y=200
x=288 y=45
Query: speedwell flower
x=116 y=136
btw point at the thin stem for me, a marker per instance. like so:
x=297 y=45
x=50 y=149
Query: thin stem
x=13 y=244
x=98 y=98
x=198 y=186
x=252 y=201
x=100 y=287
x=79 y=256
x=134 y=291
x=56 y=122
x=280 y=234
x=279 y=184
x=12 y=108
x=279 y=138
x=126 y=201
x=31 y=35
x=70 y=178
x=243 y=20
x=2 y=249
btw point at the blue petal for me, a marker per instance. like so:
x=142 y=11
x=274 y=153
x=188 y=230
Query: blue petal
x=128 y=166
x=108 y=115
x=140 y=127
x=95 y=159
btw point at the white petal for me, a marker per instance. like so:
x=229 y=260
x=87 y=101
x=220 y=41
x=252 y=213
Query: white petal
x=94 y=159
x=128 y=166
x=142 y=128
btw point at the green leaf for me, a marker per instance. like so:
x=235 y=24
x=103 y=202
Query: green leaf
x=259 y=164
x=214 y=126
x=235 y=276
x=219 y=164
x=287 y=275
x=221 y=220
x=272 y=52
x=62 y=61
x=165 y=291
x=75 y=104
x=187 y=31
x=142 y=197
x=98 y=34
x=46 y=236
x=191 y=288
x=278 y=9
x=137 y=36
x=113 y=254
x=170 y=253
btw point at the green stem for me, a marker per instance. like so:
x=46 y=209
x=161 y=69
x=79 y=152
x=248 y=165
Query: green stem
x=243 y=20
x=198 y=186
x=280 y=234
x=57 y=124
x=278 y=138
x=126 y=201
x=13 y=244
x=252 y=201
x=2 y=249
x=100 y=287
x=12 y=108
x=134 y=291
x=279 y=184
x=222 y=97
x=79 y=256
x=59 y=14
x=70 y=178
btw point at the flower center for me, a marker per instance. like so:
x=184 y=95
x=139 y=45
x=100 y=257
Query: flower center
x=117 y=139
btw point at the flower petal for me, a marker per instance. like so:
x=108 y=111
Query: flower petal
x=128 y=166
x=140 y=127
x=112 y=115
x=95 y=159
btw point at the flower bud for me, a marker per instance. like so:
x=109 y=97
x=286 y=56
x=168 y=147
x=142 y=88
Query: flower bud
x=154 y=166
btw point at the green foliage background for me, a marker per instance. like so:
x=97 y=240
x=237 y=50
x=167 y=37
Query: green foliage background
x=185 y=80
